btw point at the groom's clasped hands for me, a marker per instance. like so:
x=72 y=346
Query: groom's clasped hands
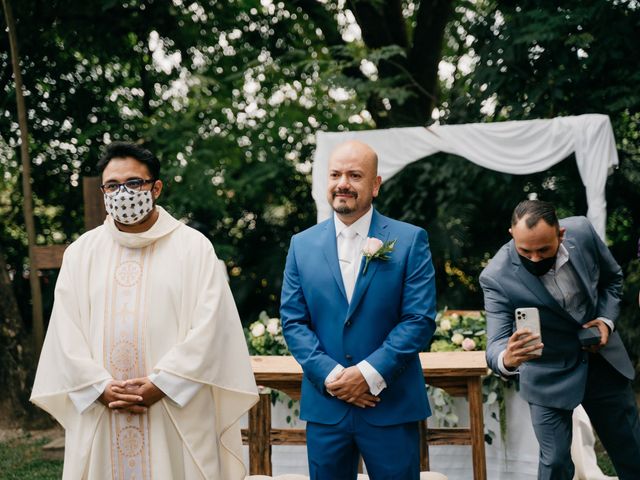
x=350 y=386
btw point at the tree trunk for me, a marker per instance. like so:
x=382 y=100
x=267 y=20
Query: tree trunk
x=382 y=24
x=15 y=361
x=36 y=294
x=426 y=52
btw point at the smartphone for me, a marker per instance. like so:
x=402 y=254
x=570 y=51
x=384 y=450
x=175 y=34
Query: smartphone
x=529 y=317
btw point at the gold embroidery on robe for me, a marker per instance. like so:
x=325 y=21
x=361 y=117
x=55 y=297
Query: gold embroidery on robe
x=124 y=351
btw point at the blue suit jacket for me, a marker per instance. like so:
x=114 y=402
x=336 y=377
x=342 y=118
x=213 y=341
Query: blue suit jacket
x=558 y=378
x=390 y=319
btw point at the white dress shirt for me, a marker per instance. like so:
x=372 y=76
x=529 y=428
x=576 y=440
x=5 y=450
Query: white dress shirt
x=564 y=286
x=350 y=242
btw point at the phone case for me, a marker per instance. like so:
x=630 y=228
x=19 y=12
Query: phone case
x=528 y=317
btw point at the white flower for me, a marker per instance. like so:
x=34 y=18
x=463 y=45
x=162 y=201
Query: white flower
x=445 y=325
x=371 y=246
x=273 y=325
x=257 y=329
x=468 y=344
x=457 y=338
x=376 y=249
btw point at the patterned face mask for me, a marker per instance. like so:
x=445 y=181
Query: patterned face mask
x=127 y=206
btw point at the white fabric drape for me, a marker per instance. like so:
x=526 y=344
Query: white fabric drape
x=516 y=147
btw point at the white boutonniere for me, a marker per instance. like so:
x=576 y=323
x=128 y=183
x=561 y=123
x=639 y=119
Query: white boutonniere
x=376 y=249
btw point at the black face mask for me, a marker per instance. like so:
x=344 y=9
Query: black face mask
x=540 y=267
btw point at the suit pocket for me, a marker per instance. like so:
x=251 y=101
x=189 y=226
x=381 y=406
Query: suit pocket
x=549 y=362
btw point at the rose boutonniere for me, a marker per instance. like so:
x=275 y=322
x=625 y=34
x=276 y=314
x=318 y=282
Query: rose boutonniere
x=376 y=249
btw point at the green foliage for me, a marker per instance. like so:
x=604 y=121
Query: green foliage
x=22 y=459
x=540 y=59
x=230 y=95
x=604 y=462
x=464 y=331
x=627 y=323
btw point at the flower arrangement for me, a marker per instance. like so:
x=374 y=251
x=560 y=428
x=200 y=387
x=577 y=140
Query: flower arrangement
x=455 y=331
x=466 y=331
x=264 y=336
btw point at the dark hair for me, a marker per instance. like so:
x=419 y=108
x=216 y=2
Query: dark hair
x=127 y=149
x=534 y=211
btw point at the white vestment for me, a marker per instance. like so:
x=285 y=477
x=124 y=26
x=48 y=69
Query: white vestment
x=129 y=305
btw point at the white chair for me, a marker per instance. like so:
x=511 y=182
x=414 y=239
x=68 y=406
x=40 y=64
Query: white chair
x=423 y=476
x=361 y=476
x=289 y=476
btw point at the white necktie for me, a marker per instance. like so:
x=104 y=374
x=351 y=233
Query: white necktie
x=348 y=260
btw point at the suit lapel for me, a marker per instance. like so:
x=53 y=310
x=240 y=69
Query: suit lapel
x=576 y=259
x=379 y=230
x=330 y=250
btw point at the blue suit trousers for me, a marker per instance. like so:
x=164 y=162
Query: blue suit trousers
x=389 y=452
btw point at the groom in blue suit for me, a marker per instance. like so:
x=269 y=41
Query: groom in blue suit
x=356 y=327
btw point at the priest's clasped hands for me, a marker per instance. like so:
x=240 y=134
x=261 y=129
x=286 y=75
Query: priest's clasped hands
x=134 y=395
x=351 y=387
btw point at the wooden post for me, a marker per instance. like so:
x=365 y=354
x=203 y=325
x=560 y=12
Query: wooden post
x=477 y=427
x=94 y=211
x=34 y=281
x=260 y=436
x=424 y=446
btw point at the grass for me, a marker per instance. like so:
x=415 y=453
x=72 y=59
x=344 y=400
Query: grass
x=603 y=460
x=22 y=458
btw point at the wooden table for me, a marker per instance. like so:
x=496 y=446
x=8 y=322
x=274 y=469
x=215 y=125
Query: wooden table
x=458 y=373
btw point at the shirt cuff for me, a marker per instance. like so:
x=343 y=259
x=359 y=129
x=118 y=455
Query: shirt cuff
x=85 y=398
x=503 y=370
x=178 y=389
x=609 y=323
x=374 y=379
x=332 y=376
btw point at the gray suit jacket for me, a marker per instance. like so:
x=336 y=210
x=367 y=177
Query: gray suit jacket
x=558 y=378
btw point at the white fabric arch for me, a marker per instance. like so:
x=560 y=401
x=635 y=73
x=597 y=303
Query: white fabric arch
x=516 y=147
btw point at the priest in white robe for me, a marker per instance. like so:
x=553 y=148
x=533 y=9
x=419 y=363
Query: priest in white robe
x=144 y=363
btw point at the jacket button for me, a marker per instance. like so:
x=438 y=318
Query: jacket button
x=348 y=324
x=348 y=357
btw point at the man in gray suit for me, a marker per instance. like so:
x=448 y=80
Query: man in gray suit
x=563 y=269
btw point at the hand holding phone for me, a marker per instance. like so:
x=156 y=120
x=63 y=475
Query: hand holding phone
x=530 y=318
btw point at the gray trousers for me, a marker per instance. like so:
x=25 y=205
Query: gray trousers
x=611 y=405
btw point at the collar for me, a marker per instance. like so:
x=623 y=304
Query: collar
x=561 y=258
x=163 y=226
x=361 y=226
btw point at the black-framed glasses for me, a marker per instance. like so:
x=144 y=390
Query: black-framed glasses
x=133 y=185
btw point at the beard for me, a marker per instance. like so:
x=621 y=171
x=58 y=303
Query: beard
x=343 y=209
